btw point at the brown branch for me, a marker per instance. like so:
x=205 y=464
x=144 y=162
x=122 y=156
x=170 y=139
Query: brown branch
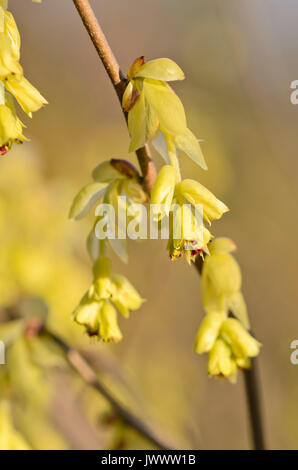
x=118 y=80
x=82 y=366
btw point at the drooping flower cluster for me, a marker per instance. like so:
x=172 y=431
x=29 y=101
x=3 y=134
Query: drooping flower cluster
x=226 y=340
x=155 y=111
x=116 y=186
x=13 y=83
x=182 y=199
x=97 y=309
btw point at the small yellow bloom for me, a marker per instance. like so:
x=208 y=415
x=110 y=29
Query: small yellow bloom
x=97 y=312
x=156 y=112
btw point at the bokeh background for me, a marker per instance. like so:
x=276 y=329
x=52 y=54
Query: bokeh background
x=239 y=58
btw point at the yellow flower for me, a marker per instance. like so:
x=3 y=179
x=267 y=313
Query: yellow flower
x=112 y=180
x=228 y=343
x=96 y=310
x=221 y=281
x=163 y=190
x=26 y=94
x=185 y=203
x=155 y=111
x=187 y=233
x=11 y=128
x=242 y=343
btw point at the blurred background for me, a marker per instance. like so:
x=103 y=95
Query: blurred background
x=239 y=59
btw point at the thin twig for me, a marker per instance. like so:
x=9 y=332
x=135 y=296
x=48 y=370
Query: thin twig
x=253 y=392
x=118 y=80
x=87 y=373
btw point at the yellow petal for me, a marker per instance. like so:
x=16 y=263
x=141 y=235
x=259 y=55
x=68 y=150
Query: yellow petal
x=237 y=306
x=105 y=172
x=166 y=104
x=137 y=124
x=160 y=69
x=189 y=144
x=25 y=93
x=222 y=245
x=126 y=297
x=224 y=273
x=108 y=327
x=208 y=332
x=85 y=199
x=164 y=187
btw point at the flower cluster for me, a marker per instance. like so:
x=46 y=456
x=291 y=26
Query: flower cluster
x=155 y=111
x=116 y=184
x=13 y=83
x=229 y=344
x=181 y=199
x=97 y=309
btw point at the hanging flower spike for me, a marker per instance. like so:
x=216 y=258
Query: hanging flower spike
x=228 y=343
x=155 y=111
x=13 y=81
x=97 y=309
x=221 y=281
